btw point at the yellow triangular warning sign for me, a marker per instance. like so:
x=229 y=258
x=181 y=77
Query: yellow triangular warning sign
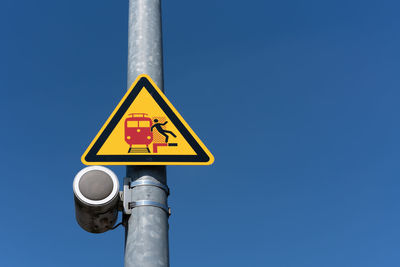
x=145 y=129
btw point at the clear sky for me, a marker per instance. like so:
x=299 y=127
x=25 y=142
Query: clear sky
x=297 y=100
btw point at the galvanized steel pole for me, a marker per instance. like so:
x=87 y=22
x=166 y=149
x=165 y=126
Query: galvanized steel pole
x=147 y=228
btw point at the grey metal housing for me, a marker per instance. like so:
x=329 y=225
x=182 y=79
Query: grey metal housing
x=96 y=219
x=96 y=197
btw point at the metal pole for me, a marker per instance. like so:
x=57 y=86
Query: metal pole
x=147 y=227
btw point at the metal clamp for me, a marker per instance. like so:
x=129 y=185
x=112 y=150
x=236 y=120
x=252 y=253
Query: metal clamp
x=141 y=203
x=149 y=183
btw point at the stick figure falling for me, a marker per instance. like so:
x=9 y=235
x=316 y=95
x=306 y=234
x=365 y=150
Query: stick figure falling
x=159 y=128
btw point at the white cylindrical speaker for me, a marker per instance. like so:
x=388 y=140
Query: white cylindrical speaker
x=96 y=195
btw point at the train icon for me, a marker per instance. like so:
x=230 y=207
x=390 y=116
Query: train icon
x=138 y=132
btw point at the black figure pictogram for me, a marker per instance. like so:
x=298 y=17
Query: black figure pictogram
x=158 y=125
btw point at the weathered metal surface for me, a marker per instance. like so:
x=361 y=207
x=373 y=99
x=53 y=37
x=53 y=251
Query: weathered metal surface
x=147 y=226
x=145 y=54
x=96 y=197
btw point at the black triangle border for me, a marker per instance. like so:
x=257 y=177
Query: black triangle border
x=142 y=84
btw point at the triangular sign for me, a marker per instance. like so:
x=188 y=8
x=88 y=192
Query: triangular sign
x=145 y=129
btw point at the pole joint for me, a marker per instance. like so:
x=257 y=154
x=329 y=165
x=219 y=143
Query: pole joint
x=149 y=183
x=142 y=203
x=128 y=201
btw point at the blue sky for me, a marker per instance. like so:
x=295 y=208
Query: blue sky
x=297 y=100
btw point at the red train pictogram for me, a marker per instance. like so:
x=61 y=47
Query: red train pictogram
x=138 y=130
